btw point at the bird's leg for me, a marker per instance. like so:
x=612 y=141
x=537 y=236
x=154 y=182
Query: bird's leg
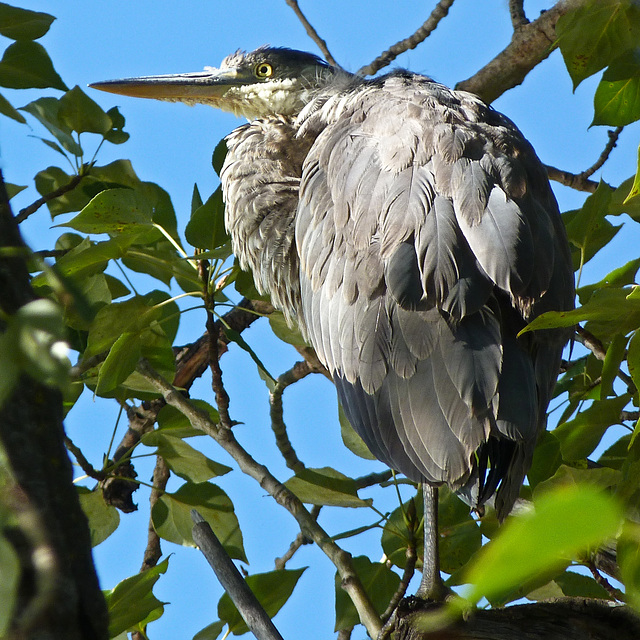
x=431 y=588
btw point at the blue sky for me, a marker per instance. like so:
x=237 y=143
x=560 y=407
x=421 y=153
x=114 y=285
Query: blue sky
x=172 y=144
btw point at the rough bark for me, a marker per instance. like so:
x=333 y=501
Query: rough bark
x=59 y=595
x=564 y=619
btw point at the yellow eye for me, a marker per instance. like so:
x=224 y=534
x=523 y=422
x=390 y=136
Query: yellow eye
x=263 y=70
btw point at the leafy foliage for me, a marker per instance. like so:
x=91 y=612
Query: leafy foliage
x=115 y=291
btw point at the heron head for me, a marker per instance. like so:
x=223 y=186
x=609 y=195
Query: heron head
x=267 y=81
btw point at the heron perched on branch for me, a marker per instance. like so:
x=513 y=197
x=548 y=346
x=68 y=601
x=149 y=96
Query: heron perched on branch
x=411 y=232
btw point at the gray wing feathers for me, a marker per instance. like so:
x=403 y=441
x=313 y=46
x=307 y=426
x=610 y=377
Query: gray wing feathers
x=426 y=236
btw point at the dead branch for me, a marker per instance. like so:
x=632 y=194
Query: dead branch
x=604 y=156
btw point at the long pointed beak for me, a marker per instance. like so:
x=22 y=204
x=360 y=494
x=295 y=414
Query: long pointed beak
x=203 y=86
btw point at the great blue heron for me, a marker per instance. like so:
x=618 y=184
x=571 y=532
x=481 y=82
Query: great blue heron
x=411 y=232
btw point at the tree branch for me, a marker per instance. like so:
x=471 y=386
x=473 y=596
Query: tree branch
x=312 y=33
x=52 y=195
x=283 y=496
x=604 y=156
x=233 y=583
x=516 y=11
x=572 y=180
x=300 y=540
x=420 y=35
x=530 y=45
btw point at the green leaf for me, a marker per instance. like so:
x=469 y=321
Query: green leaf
x=587 y=228
x=562 y=524
x=13 y=189
x=103 y=518
x=22 y=24
x=10 y=572
x=596 y=32
x=219 y=154
x=290 y=335
x=176 y=424
x=575 y=585
x=171 y=516
x=611 y=311
x=580 y=436
x=131 y=603
x=325 y=486
x=580 y=475
x=7 y=109
x=620 y=277
x=633 y=358
x=617 y=98
x=116 y=134
x=351 y=439
x=272 y=590
x=546 y=458
x=46 y=110
x=633 y=196
x=404 y=528
x=616 y=352
x=211 y=631
x=25 y=65
x=628 y=556
x=114 y=211
x=205 y=229
x=80 y=113
x=120 y=362
x=183 y=459
x=378 y=581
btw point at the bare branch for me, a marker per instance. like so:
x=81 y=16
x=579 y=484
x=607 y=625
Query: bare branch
x=373 y=478
x=233 y=583
x=281 y=494
x=153 y=552
x=604 y=156
x=518 y=17
x=407 y=574
x=345 y=634
x=530 y=45
x=297 y=372
x=312 y=33
x=85 y=465
x=573 y=180
x=298 y=542
x=52 y=195
x=421 y=34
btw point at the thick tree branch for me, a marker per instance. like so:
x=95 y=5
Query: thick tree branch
x=530 y=45
x=233 y=583
x=225 y=438
x=421 y=34
x=516 y=11
x=572 y=180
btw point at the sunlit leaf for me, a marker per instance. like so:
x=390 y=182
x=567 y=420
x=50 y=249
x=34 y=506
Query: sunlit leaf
x=562 y=523
x=82 y=114
x=14 y=189
x=206 y=229
x=628 y=555
x=596 y=32
x=172 y=516
x=620 y=277
x=211 y=631
x=132 y=602
x=176 y=424
x=272 y=590
x=403 y=528
x=580 y=436
x=325 y=486
x=616 y=352
x=103 y=518
x=46 y=110
x=290 y=335
x=631 y=203
x=617 y=98
x=25 y=65
x=351 y=439
x=183 y=459
x=22 y=24
x=546 y=458
x=120 y=362
x=114 y=211
x=378 y=581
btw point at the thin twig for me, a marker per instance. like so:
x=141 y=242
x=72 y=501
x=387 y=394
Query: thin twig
x=572 y=180
x=420 y=35
x=312 y=33
x=233 y=583
x=518 y=17
x=407 y=574
x=299 y=371
x=153 y=552
x=282 y=495
x=373 y=478
x=52 y=195
x=604 y=156
x=299 y=540
x=85 y=465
